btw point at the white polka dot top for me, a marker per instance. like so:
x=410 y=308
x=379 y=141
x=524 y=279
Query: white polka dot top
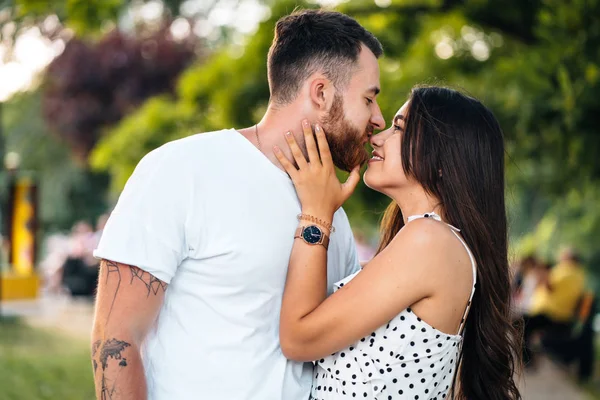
x=404 y=359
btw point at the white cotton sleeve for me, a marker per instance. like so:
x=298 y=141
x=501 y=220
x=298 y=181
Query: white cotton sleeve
x=147 y=227
x=350 y=259
x=353 y=263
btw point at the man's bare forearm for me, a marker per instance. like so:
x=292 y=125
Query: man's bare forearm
x=127 y=305
x=118 y=369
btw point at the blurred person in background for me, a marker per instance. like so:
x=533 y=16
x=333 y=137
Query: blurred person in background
x=530 y=274
x=520 y=269
x=554 y=302
x=81 y=237
x=73 y=253
x=57 y=247
x=80 y=269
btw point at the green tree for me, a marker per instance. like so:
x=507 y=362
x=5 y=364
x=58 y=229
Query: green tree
x=92 y=86
x=83 y=16
x=68 y=190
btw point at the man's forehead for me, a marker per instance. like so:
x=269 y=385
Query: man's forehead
x=367 y=71
x=365 y=82
x=367 y=61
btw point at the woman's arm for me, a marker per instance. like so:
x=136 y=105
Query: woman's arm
x=312 y=326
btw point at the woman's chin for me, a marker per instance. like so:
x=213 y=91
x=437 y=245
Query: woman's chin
x=370 y=179
x=373 y=181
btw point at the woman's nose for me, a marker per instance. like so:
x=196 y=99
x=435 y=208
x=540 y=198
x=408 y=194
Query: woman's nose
x=376 y=140
x=379 y=139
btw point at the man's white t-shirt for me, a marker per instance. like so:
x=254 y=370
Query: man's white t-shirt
x=211 y=216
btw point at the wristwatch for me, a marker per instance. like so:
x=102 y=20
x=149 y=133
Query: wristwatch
x=312 y=234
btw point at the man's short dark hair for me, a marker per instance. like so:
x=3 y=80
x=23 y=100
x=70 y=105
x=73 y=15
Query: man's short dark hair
x=308 y=41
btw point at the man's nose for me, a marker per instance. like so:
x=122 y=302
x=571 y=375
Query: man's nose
x=377 y=119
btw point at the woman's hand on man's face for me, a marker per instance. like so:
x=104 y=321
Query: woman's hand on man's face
x=319 y=190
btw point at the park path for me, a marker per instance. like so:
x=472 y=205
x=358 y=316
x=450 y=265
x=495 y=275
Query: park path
x=74 y=318
x=57 y=313
x=550 y=382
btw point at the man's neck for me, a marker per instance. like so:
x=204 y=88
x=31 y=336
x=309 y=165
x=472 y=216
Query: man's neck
x=269 y=132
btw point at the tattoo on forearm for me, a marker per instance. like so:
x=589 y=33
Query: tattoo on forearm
x=112 y=348
x=112 y=269
x=111 y=353
x=153 y=284
x=95 y=347
x=108 y=354
x=94 y=351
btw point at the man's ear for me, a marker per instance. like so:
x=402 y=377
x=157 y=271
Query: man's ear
x=321 y=93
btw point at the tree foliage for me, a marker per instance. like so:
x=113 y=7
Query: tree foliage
x=68 y=191
x=83 y=16
x=92 y=86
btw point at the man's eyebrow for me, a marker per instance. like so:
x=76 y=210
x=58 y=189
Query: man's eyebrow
x=374 y=89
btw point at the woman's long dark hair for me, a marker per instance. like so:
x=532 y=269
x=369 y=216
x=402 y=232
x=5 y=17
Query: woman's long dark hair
x=453 y=146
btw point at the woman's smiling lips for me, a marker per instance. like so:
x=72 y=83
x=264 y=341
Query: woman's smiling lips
x=376 y=157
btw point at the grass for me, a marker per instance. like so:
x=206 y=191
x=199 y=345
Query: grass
x=36 y=364
x=592 y=391
x=593 y=388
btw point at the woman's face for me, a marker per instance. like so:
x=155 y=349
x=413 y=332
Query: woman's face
x=385 y=172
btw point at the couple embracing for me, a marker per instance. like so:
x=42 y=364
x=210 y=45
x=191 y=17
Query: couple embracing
x=229 y=269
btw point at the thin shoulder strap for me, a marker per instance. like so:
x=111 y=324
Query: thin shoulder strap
x=455 y=230
x=474 y=267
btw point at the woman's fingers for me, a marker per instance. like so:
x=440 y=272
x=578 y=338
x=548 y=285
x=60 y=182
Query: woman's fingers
x=323 y=146
x=285 y=163
x=296 y=152
x=311 y=145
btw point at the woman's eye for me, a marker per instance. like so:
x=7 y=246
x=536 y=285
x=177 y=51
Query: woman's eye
x=397 y=128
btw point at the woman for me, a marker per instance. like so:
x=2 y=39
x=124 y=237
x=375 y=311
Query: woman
x=428 y=317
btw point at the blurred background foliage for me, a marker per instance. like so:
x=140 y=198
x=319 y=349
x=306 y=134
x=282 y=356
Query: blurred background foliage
x=129 y=80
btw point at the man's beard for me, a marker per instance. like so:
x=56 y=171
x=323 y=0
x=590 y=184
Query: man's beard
x=345 y=141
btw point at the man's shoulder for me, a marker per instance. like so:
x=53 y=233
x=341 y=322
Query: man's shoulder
x=179 y=152
x=198 y=140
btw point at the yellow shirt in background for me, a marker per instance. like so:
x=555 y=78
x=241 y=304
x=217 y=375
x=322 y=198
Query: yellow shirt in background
x=567 y=281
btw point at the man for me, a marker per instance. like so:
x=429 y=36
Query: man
x=554 y=301
x=195 y=254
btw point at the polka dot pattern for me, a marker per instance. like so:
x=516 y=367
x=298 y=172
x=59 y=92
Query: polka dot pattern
x=399 y=371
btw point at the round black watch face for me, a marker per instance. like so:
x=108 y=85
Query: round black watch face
x=312 y=234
